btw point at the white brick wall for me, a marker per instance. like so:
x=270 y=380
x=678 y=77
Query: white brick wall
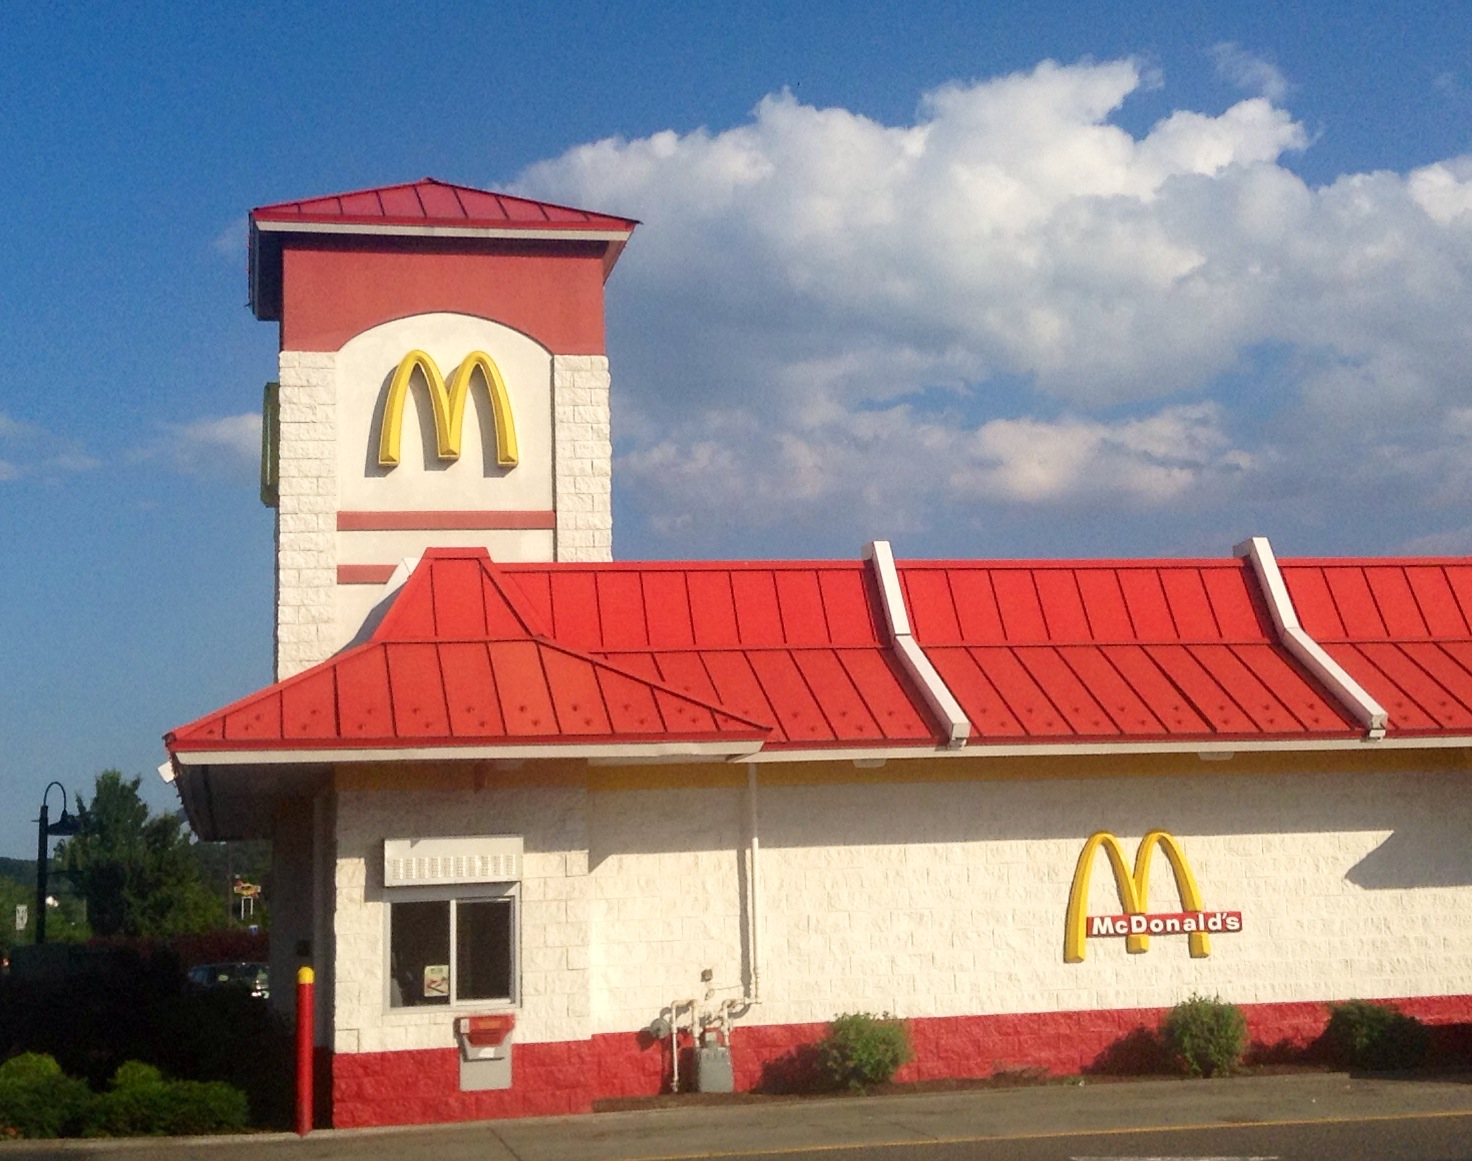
x=327 y=427
x=554 y=910
x=938 y=899
x=306 y=515
x=583 y=457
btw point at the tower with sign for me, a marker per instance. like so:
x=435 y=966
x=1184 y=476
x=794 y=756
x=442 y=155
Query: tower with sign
x=443 y=381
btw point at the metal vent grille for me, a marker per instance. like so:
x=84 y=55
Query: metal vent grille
x=433 y=862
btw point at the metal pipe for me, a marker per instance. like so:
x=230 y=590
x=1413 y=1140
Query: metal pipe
x=756 y=884
x=675 y=1007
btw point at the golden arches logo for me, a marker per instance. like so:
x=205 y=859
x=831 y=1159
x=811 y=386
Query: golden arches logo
x=448 y=405
x=1134 y=896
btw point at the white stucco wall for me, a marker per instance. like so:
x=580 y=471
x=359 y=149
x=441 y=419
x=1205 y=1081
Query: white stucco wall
x=422 y=481
x=939 y=898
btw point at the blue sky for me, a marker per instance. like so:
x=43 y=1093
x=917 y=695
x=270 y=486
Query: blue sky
x=1207 y=274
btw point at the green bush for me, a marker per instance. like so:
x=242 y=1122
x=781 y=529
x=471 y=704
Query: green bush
x=204 y=1034
x=863 y=1049
x=1206 y=1034
x=141 y=1103
x=210 y=1106
x=1375 y=1037
x=37 y=1099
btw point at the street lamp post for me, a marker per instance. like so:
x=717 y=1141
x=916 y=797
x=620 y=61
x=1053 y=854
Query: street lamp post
x=67 y=824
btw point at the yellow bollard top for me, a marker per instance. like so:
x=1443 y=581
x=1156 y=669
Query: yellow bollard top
x=305 y=975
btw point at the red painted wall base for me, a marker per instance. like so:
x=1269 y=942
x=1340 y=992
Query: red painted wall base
x=394 y=1088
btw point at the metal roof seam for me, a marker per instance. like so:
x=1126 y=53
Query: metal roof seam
x=1193 y=703
x=1028 y=657
x=1083 y=604
x=1375 y=599
x=1124 y=600
x=813 y=693
x=1416 y=599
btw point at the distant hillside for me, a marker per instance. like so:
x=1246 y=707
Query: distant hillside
x=22 y=870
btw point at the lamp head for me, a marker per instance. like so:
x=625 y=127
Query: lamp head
x=67 y=824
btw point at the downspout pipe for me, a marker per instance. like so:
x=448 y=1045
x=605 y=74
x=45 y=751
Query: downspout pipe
x=754 y=993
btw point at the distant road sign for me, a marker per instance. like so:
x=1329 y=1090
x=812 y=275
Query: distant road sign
x=22 y=916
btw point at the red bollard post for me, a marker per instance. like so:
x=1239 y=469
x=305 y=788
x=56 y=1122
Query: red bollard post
x=306 y=993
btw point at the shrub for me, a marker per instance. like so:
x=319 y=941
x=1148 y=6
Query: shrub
x=863 y=1049
x=141 y=1103
x=37 y=1099
x=1375 y=1037
x=207 y=1107
x=1206 y=1034
x=204 y=1034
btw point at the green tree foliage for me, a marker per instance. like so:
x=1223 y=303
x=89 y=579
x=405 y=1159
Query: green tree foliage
x=138 y=874
x=66 y=923
x=220 y=864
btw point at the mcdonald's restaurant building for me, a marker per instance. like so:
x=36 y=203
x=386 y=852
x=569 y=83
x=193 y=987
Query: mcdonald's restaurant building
x=543 y=821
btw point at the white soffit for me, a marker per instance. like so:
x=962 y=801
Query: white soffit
x=1294 y=638
x=942 y=703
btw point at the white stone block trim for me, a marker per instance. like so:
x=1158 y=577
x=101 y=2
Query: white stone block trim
x=582 y=451
x=306 y=542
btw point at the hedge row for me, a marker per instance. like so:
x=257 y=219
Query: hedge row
x=37 y=1099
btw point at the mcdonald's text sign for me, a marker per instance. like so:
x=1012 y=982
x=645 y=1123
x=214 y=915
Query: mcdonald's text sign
x=1137 y=923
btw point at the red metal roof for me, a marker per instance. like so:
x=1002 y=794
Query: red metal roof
x=430 y=202
x=458 y=661
x=797 y=656
x=1401 y=628
x=1113 y=651
x=793 y=645
x=407 y=215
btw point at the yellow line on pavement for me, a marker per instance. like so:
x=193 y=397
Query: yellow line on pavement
x=1052 y=1134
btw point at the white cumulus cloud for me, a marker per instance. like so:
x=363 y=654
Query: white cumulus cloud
x=1248 y=71
x=229 y=444
x=27 y=449
x=1012 y=305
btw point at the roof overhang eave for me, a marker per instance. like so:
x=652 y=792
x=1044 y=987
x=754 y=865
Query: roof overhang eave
x=418 y=230
x=1207 y=748
x=736 y=750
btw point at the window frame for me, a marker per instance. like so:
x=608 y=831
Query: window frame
x=454 y=895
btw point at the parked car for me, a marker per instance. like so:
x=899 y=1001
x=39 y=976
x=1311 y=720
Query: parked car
x=253 y=976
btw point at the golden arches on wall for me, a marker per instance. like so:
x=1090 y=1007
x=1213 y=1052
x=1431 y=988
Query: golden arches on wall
x=448 y=404
x=1133 y=888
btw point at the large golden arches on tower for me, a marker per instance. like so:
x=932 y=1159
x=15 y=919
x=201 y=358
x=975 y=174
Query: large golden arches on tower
x=448 y=405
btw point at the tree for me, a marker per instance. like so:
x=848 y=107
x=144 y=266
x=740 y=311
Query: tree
x=65 y=924
x=137 y=873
